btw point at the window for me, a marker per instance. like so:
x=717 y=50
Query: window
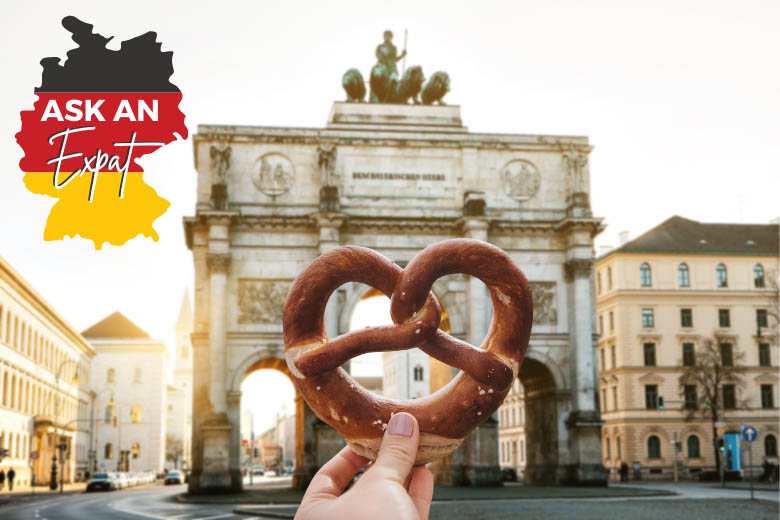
x=602 y=356
x=645 y=277
x=108 y=451
x=770 y=446
x=648 y=318
x=513 y=417
x=111 y=376
x=767 y=396
x=649 y=349
x=418 y=373
x=137 y=375
x=691 y=400
x=683 y=278
x=609 y=278
x=689 y=357
x=724 y=318
x=601 y=324
x=726 y=355
x=761 y=318
x=135 y=413
x=611 y=321
x=609 y=450
x=619 y=449
x=109 y=413
x=612 y=355
x=722 y=276
x=603 y=400
x=185 y=353
x=763 y=355
x=135 y=450
x=729 y=397
x=651 y=397
x=758 y=276
x=693 y=447
x=686 y=317
x=653 y=447
x=615 y=397
x=598 y=282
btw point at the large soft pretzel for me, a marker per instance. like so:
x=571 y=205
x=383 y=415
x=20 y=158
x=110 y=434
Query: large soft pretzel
x=445 y=417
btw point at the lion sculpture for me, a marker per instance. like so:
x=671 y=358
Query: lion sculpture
x=354 y=85
x=436 y=88
x=410 y=86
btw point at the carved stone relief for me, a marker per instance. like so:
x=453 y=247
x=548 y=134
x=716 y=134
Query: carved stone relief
x=274 y=174
x=545 y=308
x=521 y=179
x=261 y=301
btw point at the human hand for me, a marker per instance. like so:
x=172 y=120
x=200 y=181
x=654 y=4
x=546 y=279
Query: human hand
x=391 y=488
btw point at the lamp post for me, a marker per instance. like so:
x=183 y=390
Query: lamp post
x=60 y=441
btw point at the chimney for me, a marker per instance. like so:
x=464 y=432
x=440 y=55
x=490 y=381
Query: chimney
x=623 y=237
x=603 y=250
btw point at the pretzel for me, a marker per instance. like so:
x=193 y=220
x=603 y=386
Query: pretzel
x=448 y=415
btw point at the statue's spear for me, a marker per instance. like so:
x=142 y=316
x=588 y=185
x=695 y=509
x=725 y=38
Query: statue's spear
x=403 y=67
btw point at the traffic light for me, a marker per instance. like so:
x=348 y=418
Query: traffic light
x=721 y=444
x=661 y=403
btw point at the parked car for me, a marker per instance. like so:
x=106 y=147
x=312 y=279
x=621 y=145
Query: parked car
x=174 y=477
x=121 y=480
x=258 y=470
x=508 y=475
x=101 y=482
x=270 y=473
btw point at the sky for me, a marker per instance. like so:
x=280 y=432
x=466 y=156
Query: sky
x=679 y=98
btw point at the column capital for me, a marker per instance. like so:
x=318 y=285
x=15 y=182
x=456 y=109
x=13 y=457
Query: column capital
x=234 y=398
x=218 y=262
x=578 y=268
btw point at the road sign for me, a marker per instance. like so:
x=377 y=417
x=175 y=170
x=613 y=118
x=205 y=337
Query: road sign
x=749 y=434
x=33 y=454
x=720 y=431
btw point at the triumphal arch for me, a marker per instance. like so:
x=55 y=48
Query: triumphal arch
x=393 y=177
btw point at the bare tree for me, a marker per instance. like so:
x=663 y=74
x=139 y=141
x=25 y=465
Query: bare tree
x=174 y=449
x=714 y=366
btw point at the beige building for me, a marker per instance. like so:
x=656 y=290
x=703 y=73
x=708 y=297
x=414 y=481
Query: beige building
x=660 y=297
x=130 y=382
x=511 y=430
x=179 y=399
x=45 y=377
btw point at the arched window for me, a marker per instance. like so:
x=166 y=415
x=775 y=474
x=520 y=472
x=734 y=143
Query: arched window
x=721 y=276
x=418 y=373
x=184 y=352
x=111 y=376
x=137 y=375
x=645 y=277
x=683 y=276
x=135 y=413
x=136 y=450
x=653 y=447
x=770 y=446
x=693 y=447
x=108 y=451
x=758 y=276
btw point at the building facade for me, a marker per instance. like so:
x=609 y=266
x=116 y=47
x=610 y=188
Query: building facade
x=661 y=300
x=179 y=399
x=44 y=379
x=511 y=430
x=130 y=378
x=405 y=374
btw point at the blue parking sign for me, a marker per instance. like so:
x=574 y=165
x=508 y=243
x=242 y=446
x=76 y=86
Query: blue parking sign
x=749 y=433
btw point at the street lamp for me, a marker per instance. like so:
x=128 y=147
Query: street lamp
x=61 y=441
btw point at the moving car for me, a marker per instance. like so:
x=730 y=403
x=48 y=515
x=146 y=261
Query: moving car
x=102 y=481
x=174 y=477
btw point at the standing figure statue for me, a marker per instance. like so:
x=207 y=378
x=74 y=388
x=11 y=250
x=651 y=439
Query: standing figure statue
x=387 y=54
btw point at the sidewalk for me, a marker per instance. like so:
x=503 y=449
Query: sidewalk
x=39 y=491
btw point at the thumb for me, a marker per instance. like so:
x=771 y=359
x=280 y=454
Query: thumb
x=398 y=449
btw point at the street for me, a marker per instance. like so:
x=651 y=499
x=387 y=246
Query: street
x=693 y=501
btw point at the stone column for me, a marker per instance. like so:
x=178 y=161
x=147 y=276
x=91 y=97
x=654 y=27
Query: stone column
x=328 y=225
x=305 y=444
x=234 y=416
x=479 y=302
x=584 y=422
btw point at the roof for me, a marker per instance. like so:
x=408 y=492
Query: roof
x=682 y=235
x=115 y=326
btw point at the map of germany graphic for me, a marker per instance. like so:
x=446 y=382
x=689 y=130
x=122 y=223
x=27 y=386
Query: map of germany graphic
x=96 y=114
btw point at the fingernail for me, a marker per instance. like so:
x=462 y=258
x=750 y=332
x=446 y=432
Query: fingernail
x=401 y=424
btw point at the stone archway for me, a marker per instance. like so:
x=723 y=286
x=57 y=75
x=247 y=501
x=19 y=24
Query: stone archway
x=541 y=422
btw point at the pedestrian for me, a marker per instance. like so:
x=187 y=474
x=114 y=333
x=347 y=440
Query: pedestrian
x=11 y=476
x=623 y=472
x=2 y=479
